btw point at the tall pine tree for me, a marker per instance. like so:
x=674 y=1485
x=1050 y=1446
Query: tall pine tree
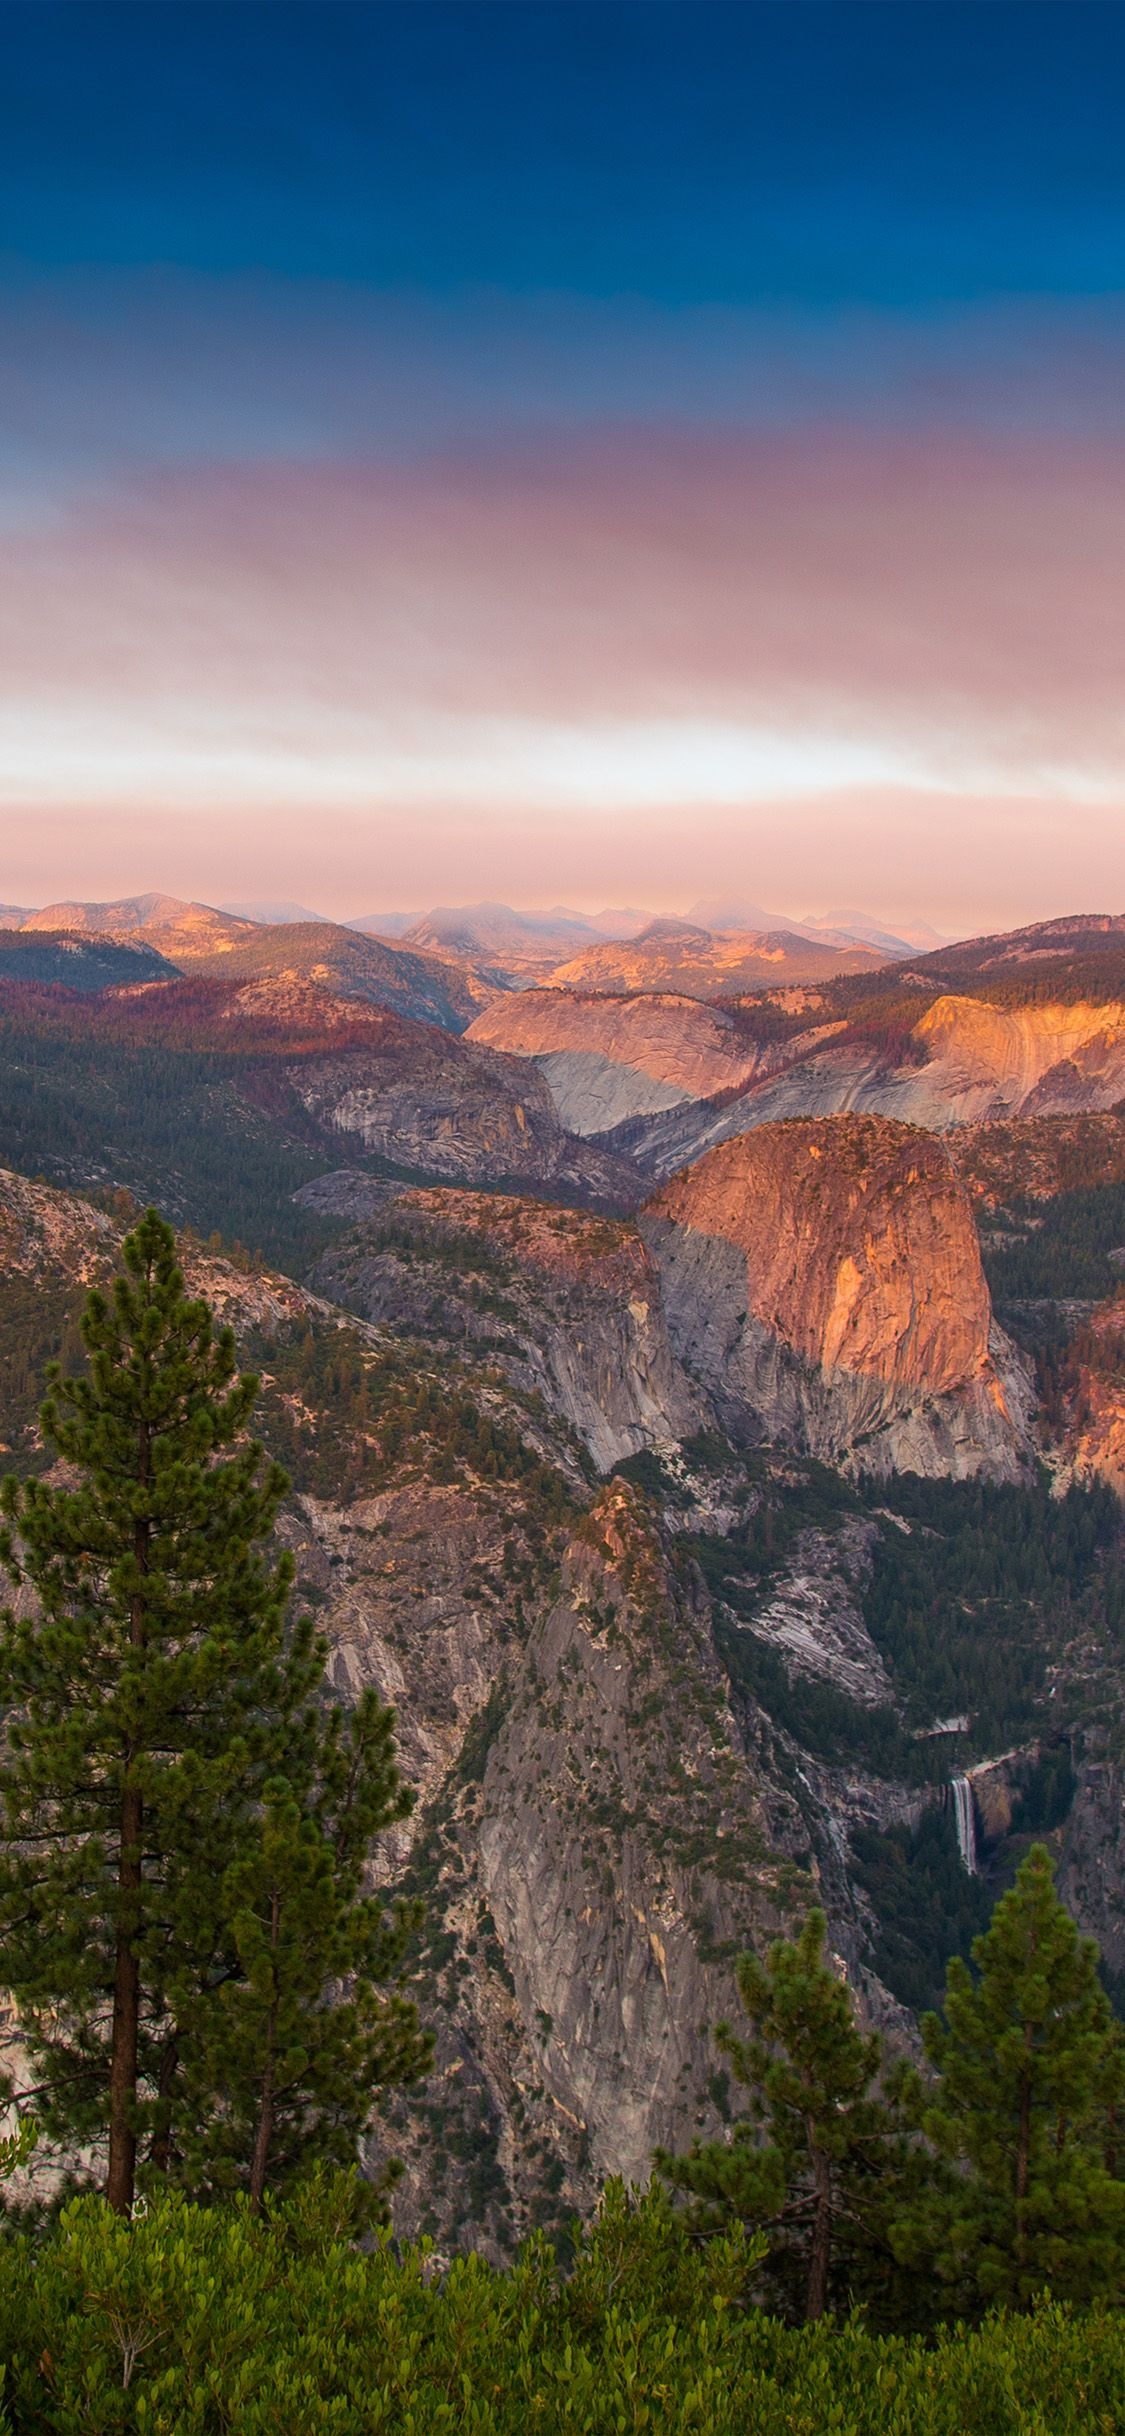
x=289 y=2053
x=814 y=2160
x=152 y=1692
x=1025 y=2115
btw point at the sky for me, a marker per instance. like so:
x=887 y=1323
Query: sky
x=459 y=449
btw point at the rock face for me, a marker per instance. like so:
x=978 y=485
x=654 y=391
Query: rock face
x=597 y=1906
x=1092 y=1868
x=1091 y=1423
x=613 y=1797
x=422 y=1100
x=823 y=1283
x=988 y=1061
x=608 y=1059
x=45 y=1235
x=662 y=1077
x=568 y=1304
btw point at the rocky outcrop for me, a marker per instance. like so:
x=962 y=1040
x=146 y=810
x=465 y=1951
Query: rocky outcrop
x=429 y=989
x=200 y=939
x=48 y=1236
x=618 y=1910
x=421 y=1100
x=823 y=1283
x=176 y=929
x=610 y=1806
x=1089 y=1425
x=967 y=1062
x=607 y=1059
x=1092 y=1867
x=992 y=1061
x=813 y=1619
x=568 y=1304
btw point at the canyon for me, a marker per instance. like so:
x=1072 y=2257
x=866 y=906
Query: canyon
x=704 y=1513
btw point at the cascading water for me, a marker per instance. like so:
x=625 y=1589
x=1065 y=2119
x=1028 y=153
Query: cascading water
x=964 y=1811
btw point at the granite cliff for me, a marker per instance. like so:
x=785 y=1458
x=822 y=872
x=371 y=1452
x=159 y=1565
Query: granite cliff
x=606 y=1059
x=567 y=1304
x=961 y=1037
x=823 y=1283
x=962 y=1062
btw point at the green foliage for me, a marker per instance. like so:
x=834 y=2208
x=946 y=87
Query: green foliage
x=284 y=2059
x=1025 y=2115
x=927 y=1906
x=968 y=1606
x=348 y=1419
x=783 y=1500
x=154 y=1690
x=1063 y=1248
x=134 y=1687
x=817 y=1714
x=65 y=961
x=38 y=1324
x=176 y=1123
x=198 y=2322
x=817 y=2158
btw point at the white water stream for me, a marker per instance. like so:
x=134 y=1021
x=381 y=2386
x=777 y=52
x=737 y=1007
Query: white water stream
x=964 y=1812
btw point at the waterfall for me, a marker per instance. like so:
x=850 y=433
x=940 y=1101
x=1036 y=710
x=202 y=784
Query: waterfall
x=964 y=1812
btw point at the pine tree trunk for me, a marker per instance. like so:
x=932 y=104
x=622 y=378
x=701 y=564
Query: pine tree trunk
x=125 y=2038
x=1023 y=2146
x=263 y=2137
x=121 y=2179
x=820 y=2255
x=161 y=2149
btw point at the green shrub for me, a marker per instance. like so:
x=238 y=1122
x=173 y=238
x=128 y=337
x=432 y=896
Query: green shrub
x=195 y=2323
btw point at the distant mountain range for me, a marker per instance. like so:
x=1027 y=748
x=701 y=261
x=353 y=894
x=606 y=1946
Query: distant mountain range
x=526 y=937
x=674 y=955
x=501 y=947
x=180 y=937
x=445 y=965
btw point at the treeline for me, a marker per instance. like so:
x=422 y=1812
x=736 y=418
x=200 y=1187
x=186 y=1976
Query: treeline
x=968 y=1605
x=347 y=1419
x=171 y=1124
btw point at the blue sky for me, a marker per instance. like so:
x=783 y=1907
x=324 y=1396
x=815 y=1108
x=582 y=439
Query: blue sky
x=664 y=423
x=814 y=154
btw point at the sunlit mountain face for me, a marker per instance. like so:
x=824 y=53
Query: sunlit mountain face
x=582 y=455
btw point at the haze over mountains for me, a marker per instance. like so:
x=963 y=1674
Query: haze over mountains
x=495 y=946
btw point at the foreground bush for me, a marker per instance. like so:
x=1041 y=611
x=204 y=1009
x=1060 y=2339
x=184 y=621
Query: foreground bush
x=191 y=2321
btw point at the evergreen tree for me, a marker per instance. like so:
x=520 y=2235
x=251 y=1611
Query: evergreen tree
x=814 y=2161
x=1024 y=2114
x=152 y=1691
x=291 y=2051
